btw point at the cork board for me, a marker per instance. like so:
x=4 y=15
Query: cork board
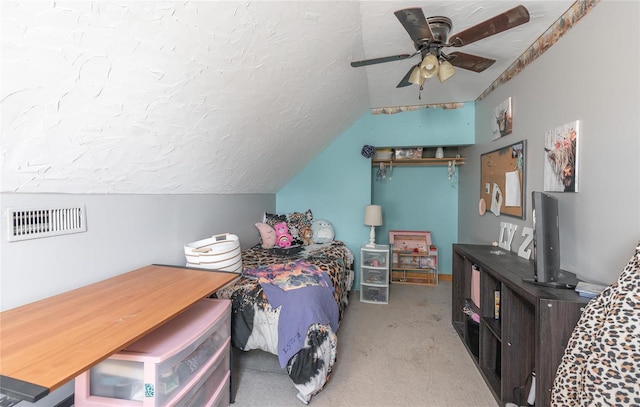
x=504 y=168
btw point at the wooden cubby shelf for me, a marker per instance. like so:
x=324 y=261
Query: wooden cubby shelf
x=414 y=260
x=420 y=162
x=526 y=332
x=420 y=157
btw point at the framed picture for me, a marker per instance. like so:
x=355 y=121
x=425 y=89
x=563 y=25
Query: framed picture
x=502 y=121
x=561 y=158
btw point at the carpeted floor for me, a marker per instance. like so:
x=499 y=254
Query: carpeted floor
x=404 y=354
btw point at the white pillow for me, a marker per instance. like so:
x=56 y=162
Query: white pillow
x=267 y=234
x=322 y=231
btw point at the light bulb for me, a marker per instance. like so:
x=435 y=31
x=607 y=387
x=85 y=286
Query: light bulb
x=429 y=66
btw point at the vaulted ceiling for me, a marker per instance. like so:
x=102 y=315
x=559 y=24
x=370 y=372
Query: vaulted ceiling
x=211 y=97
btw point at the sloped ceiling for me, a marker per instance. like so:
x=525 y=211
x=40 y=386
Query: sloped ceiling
x=208 y=97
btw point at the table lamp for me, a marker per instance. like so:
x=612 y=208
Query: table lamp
x=373 y=218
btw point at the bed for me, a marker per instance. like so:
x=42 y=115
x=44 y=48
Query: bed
x=291 y=298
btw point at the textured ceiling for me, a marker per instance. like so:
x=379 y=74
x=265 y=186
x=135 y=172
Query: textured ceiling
x=208 y=97
x=173 y=97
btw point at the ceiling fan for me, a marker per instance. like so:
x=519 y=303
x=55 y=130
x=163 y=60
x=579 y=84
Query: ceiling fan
x=431 y=35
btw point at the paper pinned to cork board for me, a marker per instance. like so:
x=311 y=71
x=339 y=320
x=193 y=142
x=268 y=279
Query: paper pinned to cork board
x=512 y=189
x=496 y=200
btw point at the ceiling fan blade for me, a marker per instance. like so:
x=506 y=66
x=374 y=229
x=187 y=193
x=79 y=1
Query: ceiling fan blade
x=414 y=21
x=372 y=61
x=502 y=22
x=470 y=62
x=405 y=81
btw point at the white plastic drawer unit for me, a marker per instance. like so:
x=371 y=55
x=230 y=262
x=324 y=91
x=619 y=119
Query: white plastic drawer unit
x=374 y=257
x=374 y=276
x=210 y=388
x=374 y=294
x=173 y=366
x=212 y=396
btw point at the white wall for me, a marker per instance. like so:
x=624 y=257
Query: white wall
x=588 y=76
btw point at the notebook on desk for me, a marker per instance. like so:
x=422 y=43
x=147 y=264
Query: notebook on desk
x=589 y=290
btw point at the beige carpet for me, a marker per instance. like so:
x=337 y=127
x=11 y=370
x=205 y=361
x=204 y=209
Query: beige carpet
x=404 y=353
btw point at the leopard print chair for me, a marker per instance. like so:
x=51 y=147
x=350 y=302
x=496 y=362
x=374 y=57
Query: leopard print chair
x=601 y=364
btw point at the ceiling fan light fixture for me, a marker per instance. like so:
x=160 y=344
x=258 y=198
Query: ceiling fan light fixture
x=446 y=71
x=429 y=66
x=431 y=36
x=416 y=76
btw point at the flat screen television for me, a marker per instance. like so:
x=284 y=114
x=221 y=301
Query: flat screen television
x=546 y=243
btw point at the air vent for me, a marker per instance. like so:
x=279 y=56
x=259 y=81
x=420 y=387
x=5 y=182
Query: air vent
x=34 y=223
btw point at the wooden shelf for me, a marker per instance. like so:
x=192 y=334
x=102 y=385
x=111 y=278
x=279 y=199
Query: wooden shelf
x=492 y=380
x=414 y=259
x=494 y=327
x=534 y=326
x=459 y=327
x=408 y=277
x=411 y=252
x=400 y=266
x=420 y=162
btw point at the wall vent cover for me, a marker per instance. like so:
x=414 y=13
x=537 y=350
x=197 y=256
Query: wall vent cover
x=34 y=223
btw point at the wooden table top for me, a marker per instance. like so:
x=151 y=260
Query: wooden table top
x=46 y=343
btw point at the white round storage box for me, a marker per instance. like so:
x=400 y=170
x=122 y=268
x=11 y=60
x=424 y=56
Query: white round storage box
x=219 y=252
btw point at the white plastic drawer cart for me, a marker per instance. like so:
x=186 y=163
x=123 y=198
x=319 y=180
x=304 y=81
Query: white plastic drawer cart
x=374 y=274
x=183 y=363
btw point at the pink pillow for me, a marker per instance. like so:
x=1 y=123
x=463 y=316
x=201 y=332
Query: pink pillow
x=267 y=234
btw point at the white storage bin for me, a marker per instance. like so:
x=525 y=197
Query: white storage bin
x=220 y=252
x=374 y=276
x=374 y=294
x=383 y=154
x=222 y=398
x=210 y=385
x=212 y=394
x=167 y=367
x=371 y=258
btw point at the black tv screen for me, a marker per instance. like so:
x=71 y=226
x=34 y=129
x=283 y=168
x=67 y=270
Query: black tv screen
x=546 y=237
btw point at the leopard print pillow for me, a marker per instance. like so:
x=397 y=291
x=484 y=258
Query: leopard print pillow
x=297 y=222
x=601 y=364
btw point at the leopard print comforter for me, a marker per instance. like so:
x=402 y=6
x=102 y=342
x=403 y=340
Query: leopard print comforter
x=601 y=364
x=255 y=323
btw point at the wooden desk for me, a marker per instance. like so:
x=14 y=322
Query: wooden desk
x=49 y=342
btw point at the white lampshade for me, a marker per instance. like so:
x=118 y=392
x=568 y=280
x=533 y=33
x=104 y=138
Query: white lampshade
x=373 y=218
x=373 y=215
x=416 y=76
x=429 y=66
x=446 y=71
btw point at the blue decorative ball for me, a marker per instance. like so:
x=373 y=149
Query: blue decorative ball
x=368 y=151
